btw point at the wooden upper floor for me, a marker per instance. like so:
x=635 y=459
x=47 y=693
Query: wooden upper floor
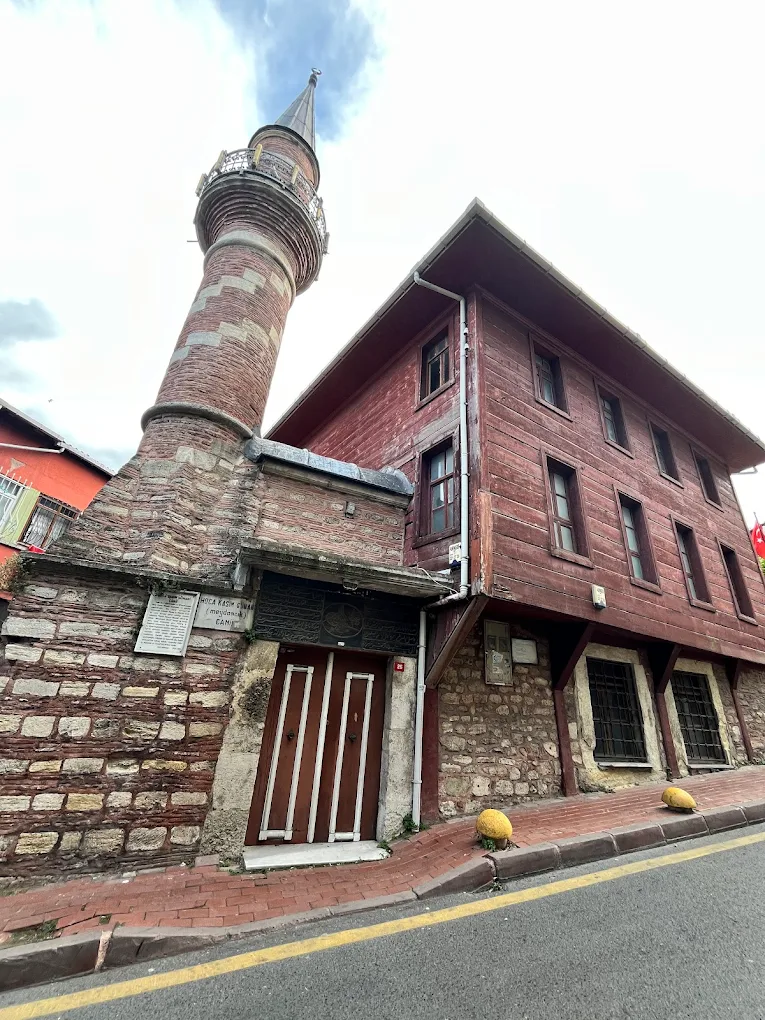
x=591 y=463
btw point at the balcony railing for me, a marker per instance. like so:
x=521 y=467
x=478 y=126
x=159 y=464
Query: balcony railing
x=278 y=169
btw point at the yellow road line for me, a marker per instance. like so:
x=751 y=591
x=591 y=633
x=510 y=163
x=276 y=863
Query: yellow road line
x=291 y=950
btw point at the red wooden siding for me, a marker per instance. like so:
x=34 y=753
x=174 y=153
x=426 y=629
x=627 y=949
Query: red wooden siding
x=519 y=428
x=387 y=425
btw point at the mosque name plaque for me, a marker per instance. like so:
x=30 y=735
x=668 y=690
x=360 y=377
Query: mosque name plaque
x=167 y=623
x=219 y=612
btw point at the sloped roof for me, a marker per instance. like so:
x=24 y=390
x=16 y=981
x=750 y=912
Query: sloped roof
x=479 y=250
x=14 y=412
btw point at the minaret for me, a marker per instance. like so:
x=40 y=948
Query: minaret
x=261 y=227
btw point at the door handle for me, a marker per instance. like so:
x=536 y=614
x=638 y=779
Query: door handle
x=291 y=735
x=351 y=737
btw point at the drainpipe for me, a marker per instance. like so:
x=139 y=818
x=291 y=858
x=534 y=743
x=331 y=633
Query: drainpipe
x=33 y=449
x=464 y=474
x=419 y=712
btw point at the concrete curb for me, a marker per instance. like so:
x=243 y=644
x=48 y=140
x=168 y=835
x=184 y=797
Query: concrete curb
x=75 y=955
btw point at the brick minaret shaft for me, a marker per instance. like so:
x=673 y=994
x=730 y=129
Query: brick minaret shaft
x=177 y=504
x=260 y=226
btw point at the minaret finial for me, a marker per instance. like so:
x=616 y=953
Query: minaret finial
x=314 y=79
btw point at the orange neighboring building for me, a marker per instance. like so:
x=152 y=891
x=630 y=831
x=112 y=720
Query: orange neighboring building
x=44 y=484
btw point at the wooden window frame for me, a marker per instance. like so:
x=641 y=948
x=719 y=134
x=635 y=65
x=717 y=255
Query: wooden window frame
x=551 y=459
x=433 y=336
x=538 y=347
x=743 y=612
x=697 y=567
x=698 y=458
x=422 y=502
x=604 y=393
x=645 y=541
x=653 y=427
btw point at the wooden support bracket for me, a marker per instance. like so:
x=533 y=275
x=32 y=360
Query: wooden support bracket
x=567 y=644
x=662 y=658
x=465 y=623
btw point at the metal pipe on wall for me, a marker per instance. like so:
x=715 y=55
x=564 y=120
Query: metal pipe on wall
x=419 y=715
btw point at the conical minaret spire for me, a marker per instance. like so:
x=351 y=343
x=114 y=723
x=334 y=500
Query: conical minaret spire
x=299 y=115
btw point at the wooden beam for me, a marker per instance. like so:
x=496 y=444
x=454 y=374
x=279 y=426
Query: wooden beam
x=470 y=615
x=733 y=672
x=567 y=643
x=662 y=658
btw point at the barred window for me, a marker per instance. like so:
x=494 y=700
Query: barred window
x=615 y=712
x=698 y=719
x=48 y=522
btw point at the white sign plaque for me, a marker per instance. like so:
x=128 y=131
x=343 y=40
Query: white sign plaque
x=167 y=623
x=524 y=651
x=219 y=612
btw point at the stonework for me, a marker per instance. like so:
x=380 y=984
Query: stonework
x=498 y=745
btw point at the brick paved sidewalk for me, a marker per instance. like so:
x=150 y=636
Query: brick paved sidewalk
x=208 y=897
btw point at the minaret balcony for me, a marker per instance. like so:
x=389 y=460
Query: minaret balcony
x=261 y=163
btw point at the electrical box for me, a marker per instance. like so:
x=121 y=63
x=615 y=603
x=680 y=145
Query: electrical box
x=497 y=655
x=599 y=597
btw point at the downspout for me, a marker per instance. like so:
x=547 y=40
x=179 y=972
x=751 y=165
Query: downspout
x=463 y=433
x=419 y=714
x=419 y=711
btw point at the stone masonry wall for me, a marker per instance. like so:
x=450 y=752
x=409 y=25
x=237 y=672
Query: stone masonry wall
x=498 y=745
x=104 y=754
x=751 y=692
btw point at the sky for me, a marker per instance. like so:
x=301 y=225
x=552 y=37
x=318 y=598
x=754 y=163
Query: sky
x=624 y=142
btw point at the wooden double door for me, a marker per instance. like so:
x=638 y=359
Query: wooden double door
x=318 y=776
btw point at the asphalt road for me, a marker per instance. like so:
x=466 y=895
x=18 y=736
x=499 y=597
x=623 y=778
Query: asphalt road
x=682 y=940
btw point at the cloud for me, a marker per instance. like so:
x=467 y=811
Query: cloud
x=25 y=320
x=289 y=37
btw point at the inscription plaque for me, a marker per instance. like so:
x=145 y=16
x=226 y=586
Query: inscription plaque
x=167 y=623
x=524 y=650
x=220 y=612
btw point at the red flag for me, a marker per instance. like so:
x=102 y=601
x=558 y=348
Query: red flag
x=758 y=539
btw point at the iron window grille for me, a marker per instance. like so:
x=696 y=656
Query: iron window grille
x=441 y=507
x=698 y=719
x=48 y=522
x=435 y=365
x=665 y=456
x=616 y=712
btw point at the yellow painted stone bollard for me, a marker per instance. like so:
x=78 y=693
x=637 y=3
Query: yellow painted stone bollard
x=678 y=800
x=494 y=825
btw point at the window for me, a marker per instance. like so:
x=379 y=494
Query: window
x=440 y=508
x=698 y=719
x=707 y=479
x=569 y=533
x=741 y=599
x=664 y=455
x=637 y=541
x=10 y=491
x=48 y=522
x=615 y=712
x=612 y=417
x=690 y=559
x=548 y=378
x=435 y=365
